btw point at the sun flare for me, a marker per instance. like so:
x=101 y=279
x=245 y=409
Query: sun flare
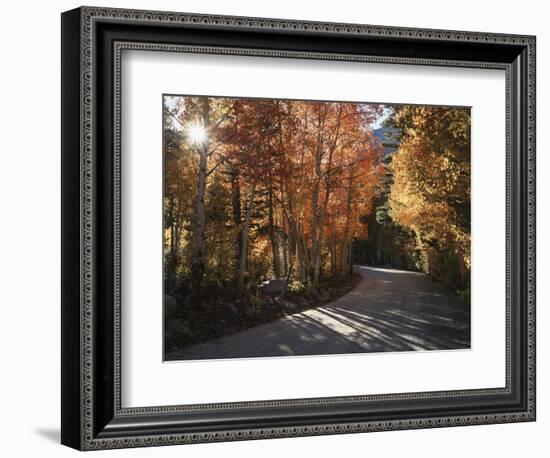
x=197 y=134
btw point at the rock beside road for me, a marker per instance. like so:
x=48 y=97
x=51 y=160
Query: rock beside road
x=273 y=287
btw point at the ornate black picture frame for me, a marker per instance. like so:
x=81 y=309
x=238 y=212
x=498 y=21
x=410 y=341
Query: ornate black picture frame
x=92 y=42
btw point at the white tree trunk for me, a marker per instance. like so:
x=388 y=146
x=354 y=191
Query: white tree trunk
x=199 y=255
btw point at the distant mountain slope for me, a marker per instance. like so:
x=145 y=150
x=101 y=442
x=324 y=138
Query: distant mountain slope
x=387 y=136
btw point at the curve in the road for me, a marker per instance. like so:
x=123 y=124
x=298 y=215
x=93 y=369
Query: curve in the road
x=390 y=310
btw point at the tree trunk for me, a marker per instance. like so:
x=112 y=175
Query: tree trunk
x=244 y=245
x=314 y=218
x=321 y=237
x=296 y=238
x=171 y=264
x=315 y=200
x=286 y=244
x=272 y=235
x=346 y=242
x=334 y=256
x=176 y=230
x=350 y=257
x=198 y=260
x=320 y=221
x=300 y=261
x=237 y=220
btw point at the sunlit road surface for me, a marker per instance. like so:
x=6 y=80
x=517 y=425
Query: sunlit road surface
x=390 y=310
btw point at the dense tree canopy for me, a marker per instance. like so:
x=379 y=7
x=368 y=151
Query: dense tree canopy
x=430 y=194
x=258 y=189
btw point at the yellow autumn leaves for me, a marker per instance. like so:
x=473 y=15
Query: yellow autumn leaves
x=430 y=194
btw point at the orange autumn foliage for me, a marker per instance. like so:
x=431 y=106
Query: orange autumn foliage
x=286 y=185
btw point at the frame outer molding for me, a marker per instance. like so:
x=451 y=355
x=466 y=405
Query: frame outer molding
x=78 y=430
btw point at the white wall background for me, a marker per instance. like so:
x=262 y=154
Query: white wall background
x=30 y=240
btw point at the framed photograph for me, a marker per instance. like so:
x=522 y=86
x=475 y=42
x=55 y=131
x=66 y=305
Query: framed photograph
x=276 y=228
